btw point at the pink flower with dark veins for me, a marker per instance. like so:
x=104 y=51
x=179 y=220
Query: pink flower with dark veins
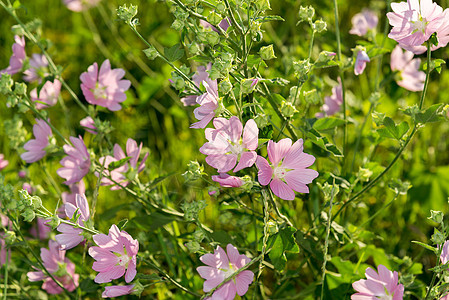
x=116 y=254
x=119 y=174
x=117 y=290
x=77 y=162
x=226 y=146
x=332 y=103
x=382 y=284
x=408 y=68
x=414 y=21
x=360 y=62
x=364 y=21
x=288 y=170
x=70 y=237
x=104 y=87
x=219 y=267
x=80 y=5
x=48 y=94
x=36 y=147
x=38 y=69
x=17 y=58
x=59 y=266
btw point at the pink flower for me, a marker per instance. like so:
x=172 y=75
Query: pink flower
x=117 y=291
x=80 y=5
x=332 y=103
x=22 y=174
x=38 y=70
x=226 y=145
x=221 y=266
x=444 y=257
x=410 y=77
x=200 y=76
x=414 y=21
x=224 y=24
x=77 y=162
x=287 y=171
x=360 y=62
x=17 y=58
x=70 y=237
x=49 y=94
x=3 y=162
x=36 y=147
x=105 y=87
x=209 y=103
x=116 y=254
x=41 y=230
x=89 y=125
x=59 y=266
x=362 y=22
x=75 y=188
x=382 y=284
x=119 y=174
x=226 y=180
x=26 y=186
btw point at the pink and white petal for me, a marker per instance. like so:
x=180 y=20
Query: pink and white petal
x=36 y=276
x=226 y=292
x=247 y=159
x=265 y=171
x=277 y=151
x=282 y=190
x=251 y=135
x=235 y=129
x=130 y=272
x=211 y=260
x=209 y=273
x=113 y=273
x=223 y=163
x=203 y=123
x=233 y=254
x=242 y=282
x=304 y=176
x=83 y=206
x=68 y=241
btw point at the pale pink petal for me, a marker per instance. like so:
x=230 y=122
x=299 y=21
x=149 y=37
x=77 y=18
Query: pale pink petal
x=282 y=190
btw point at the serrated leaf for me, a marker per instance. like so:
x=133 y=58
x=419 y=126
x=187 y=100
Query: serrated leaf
x=174 y=53
x=435 y=64
x=392 y=130
x=269 y=18
x=322 y=142
x=327 y=123
x=283 y=241
x=429 y=115
x=428 y=247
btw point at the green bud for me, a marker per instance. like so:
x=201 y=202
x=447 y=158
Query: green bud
x=20 y=88
x=221 y=7
x=302 y=68
x=248 y=183
x=247 y=86
x=199 y=235
x=37 y=202
x=312 y=97
x=306 y=13
x=436 y=216
x=6 y=83
x=194 y=171
x=25 y=200
x=364 y=174
x=272 y=227
x=267 y=53
x=192 y=209
x=127 y=13
x=178 y=83
x=214 y=18
x=194 y=247
x=437 y=237
x=287 y=109
x=319 y=26
x=137 y=289
x=193 y=48
x=327 y=188
x=9 y=237
x=28 y=215
x=212 y=38
x=225 y=86
x=261 y=120
x=54 y=222
x=263 y=4
x=213 y=191
x=177 y=25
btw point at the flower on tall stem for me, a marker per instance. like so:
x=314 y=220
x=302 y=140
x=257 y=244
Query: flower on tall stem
x=89 y=125
x=38 y=68
x=410 y=77
x=80 y=5
x=117 y=290
x=382 y=284
x=360 y=62
x=332 y=103
x=208 y=105
x=17 y=58
x=364 y=21
x=200 y=76
x=48 y=94
x=288 y=170
x=36 y=147
x=77 y=162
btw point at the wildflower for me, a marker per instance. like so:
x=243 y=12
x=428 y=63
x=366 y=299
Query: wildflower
x=332 y=103
x=200 y=76
x=3 y=251
x=119 y=174
x=41 y=230
x=77 y=162
x=117 y=290
x=410 y=77
x=226 y=180
x=116 y=254
x=37 y=70
x=414 y=21
x=224 y=24
x=221 y=266
x=22 y=173
x=48 y=94
x=59 y=266
x=226 y=145
x=70 y=237
x=362 y=22
x=75 y=188
x=209 y=104
x=105 y=87
x=36 y=147
x=382 y=284
x=80 y=5
x=27 y=187
x=287 y=171
x=17 y=58
x=360 y=62
x=89 y=125
x=3 y=162
x=444 y=257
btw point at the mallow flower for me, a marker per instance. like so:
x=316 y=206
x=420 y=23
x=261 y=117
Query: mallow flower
x=332 y=103
x=3 y=162
x=288 y=170
x=80 y=5
x=224 y=24
x=226 y=180
x=48 y=94
x=41 y=230
x=70 y=236
x=116 y=254
x=36 y=147
x=208 y=105
x=59 y=266
x=89 y=125
x=360 y=62
x=38 y=68
x=117 y=290
x=77 y=162
x=219 y=267
x=364 y=21
x=226 y=146
x=382 y=284
x=104 y=87
x=414 y=21
x=409 y=76
x=200 y=76
x=17 y=58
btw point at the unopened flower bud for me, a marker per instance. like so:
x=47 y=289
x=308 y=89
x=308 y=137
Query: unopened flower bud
x=306 y=13
x=127 y=13
x=267 y=53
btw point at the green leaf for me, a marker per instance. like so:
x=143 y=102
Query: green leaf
x=269 y=18
x=89 y=286
x=435 y=64
x=322 y=142
x=327 y=123
x=283 y=241
x=174 y=53
x=151 y=222
x=428 y=247
x=122 y=224
x=151 y=53
x=117 y=164
x=392 y=130
x=429 y=115
x=399 y=186
x=147 y=276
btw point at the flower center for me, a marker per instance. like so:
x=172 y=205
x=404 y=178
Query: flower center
x=232 y=269
x=279 y=172
x=236 y=149
x=386 y=297
x=99 y=91
x=123 y=260
x=419 y=25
